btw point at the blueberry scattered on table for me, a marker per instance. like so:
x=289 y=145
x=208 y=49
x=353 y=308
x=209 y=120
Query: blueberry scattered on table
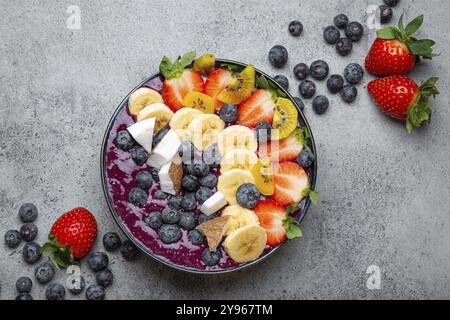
x=204 y=218
x=331 y=34
x=144 y=180
x=282 y=81
x=28 y=232
x=160 y=135
x=335 y=83
x=104 y=278
x=24 y=285
x=228 y=113
x=187 y=221
x=211 y=155
x=55 y=291
x=77 y=285
x=28 y=213
x=189 y=202
x=386 y=14
x=98 y=261
x=95 y=292
x=348 y=93
x=248 y=195
x=353 y=73
x=320 y=104
x=201 y=169
x=354 y=31
x=125 y=141
x=44 y=272
x=263 y=131
x=278 y=56
x=203 y=194
x=391 y=3
x=209 y=181
x=169 y=233
x=295 y=28
x=211 y=258
x=299 y=103
x=138 y=197
x=307 y=89
x=319 y=69
x=31 y=252
x=196 y=237
x=170 y=216
x=341 y=21
x=190 y=183
x=128 y=250
x=305 y=158
x=12 y=238
x=24 y=297
x=160 y=195
x=111 y=241
x=154 y=220
x=175 y=202
x=139 y=156
x=301 y=71
x=344 y=46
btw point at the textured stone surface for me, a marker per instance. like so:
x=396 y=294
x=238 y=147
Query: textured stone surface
x=385 y=195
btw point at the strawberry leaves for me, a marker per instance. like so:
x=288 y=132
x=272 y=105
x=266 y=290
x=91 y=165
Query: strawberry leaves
x=263 y=83
x=174 y=69
x=61 y=256
x=314 y=196
x=291 y=225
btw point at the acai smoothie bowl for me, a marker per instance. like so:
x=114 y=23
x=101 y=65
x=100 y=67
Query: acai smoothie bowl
x=209 y=166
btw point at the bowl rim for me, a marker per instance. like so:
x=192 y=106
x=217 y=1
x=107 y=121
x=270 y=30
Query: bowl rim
x=132 y=238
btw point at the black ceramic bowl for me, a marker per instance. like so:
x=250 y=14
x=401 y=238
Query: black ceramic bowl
x=126 y=219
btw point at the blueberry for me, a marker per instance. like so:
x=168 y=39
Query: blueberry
x=154 y=219
x=28 y=213
x=340 y=21
x=160 y=135
x=125 y=141
x=229 y=113
x=190 y=183
x=139 y=156
x=24 y=285
x=24 y=297
x=186 y=152
x=307 y=89
x=187 y=221
x=305 y=158
x=189 y=202
x=209 y=181
x=263 y=131
x=196 y=237
x=95 y=292
x=55 y=291
x=295 y=28
x=160 y=195
x=31 y=252
x=278 y=56
x=391 y=3
x=248 y=195
x=169 y=233
x=344 y=46
x=319 y=69
x=204 y=218
x=282 y=81
x=331 y=34
x=28 y=232
x=128 y=250
x=211 y=258
x=138 y=197
x=170 y=216
x=301 y=71
x=203 y=194
x=320 y=104
x=299 y=103
x=144 y=180
x=335 y=83
x=44 y=272
x=104 y=278
x=348 y=93
x=12 y=238
x=188 y=169
x=155 y=174
x=98 y=261
x=353 y=73
x=111 y=241
x=175 y=202
x=354 y=31
x=201 y=169
x=76 y=284
x=211 y=155
x=385 y=13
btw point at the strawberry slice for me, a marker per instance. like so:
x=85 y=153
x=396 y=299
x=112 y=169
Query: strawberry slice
x=257 y=108
x=286 y=149
x=217 y=80
x=179 y=81
x=291 y=181
x=272 y=217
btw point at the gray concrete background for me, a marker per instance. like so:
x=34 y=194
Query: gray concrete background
x=385 y=195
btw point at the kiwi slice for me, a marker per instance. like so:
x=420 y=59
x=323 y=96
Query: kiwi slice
x=205 y=63
x=285 y=119
x=240 y=88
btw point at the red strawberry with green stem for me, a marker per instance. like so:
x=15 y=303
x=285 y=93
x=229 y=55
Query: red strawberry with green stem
x=71 y=237
x=401 y=98
x=396 y=51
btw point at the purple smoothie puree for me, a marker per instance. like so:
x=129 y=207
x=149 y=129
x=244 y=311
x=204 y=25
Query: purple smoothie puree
x=120 y=172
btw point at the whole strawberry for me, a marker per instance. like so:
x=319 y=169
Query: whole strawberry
x=401 y=98
x=71 y=237
x=396 y=51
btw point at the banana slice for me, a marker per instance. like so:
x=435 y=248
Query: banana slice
x=246 y=244
x=181 y=120
x=239 y=217
x=160 y=111
x=238 y=159
x=231 y=180
x=236 y=137
x=141 y=98
x=204 y=130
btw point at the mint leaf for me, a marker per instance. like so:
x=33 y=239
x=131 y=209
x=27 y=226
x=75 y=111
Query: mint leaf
x=303 y=135
x=414 y=25
x=292 y=208
x=231 y=67
x=305 y=192
x=187 y=59
x=314 y=196
x=173 y=70
x=165 y=67
x=262 y=82
x=292 y=229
